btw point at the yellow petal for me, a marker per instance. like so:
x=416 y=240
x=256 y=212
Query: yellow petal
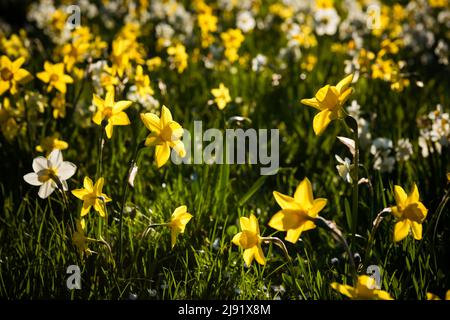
x=22 y=76
x=312 y=103
x=284 y=220
x=318 y=205
x=109 y=129
x=344 y=289
x=399 y=195
x=248 y=256
x=151 y=121
x=121 y=105
x=304 y=195
x=98 y=117
x=401 y=230
x=286 y=202
x=343 y=97
x=120 y=119
x=237 y=238
x=87 y=184
x=99 y=186
x=166 y=116
x=109 y=99
x=344 y=83
x=322 y=120
x=162 y=154
x=43 y=76
x=4 y=85
x=414 y=196
x=416 y=229
x=80 y=193
x=327 y=97
x=292 y=235
x=245 y=223
x=60 y=86
x=382 y=295
x=259 y=255
x=98 y=102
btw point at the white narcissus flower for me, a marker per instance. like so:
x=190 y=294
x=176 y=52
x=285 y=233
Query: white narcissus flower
x=49 y=172
x=327 y=21
x=344 y=168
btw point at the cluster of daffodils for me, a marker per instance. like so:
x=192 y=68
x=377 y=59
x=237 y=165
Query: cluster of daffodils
x=51 y=172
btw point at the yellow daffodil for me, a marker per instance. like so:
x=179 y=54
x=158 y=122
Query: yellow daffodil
x=8 y=124
x=48 y=144
x=74 y=52
x=142 y=82
x=53 y=74
x=232 y=40
x=92 y=196
x=250 y=240
x=165 y=134
x=180 y=217
x=153 y=63
x=295 y=216
x=329 y=100
x=410 y=212
x=221 y=96
x=11 y=74
x=365 y=290
x=79 y=238
x=178 y=57
x=110 y=111
x=59 y=105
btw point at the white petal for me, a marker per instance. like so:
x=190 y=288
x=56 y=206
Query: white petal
x=39 y=164
x=55 y=158
x=66 y=169
x=32 y=178
x=46 y=189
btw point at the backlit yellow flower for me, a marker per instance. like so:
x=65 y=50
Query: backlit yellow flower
x=8 y=124
x=232 y=40
x=142 y=82
x=79 y=238
x=178 y=57
x=92 y=196
x=48 y=144
x=295 y=216
x=53 y=74
x=250 y=240
x=365 y=290
x=165 y=134
x=11 y=74
x=330 y=101
x=74 y=52
x=180 y=217
x=110 y=111
x=221 y=96
x=410 y=212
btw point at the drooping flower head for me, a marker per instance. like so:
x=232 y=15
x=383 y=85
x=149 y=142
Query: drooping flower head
x=178 y=221
x=250 y=240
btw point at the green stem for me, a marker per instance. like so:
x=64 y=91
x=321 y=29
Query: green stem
x=133 y=161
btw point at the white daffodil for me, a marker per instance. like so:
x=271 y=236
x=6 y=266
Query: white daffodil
x=344 y=168
x=50 y=173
